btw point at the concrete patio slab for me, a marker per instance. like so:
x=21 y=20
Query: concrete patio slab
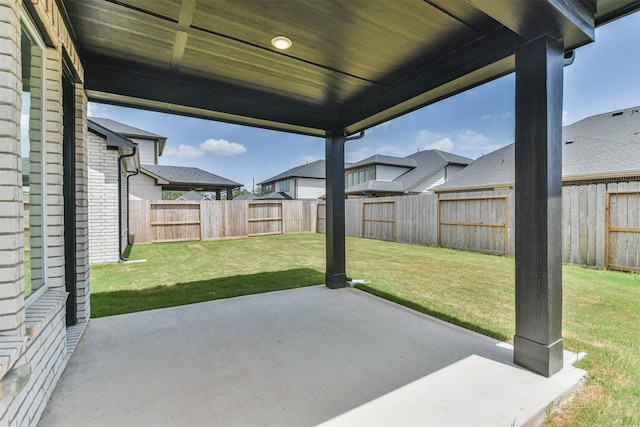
x=301 y=357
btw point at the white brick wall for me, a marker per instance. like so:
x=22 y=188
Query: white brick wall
x=83 y=307
x=34 y=332
x=103 y=201
x=143 y=187
x=11 y=207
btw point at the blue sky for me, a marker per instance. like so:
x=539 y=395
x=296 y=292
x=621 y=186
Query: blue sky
x=604 y=77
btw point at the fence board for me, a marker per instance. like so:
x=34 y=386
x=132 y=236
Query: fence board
x=475 y=223
x=379 y=220
x=592 y=234
x=265 y=218
x=623 y=228
x=174 y=221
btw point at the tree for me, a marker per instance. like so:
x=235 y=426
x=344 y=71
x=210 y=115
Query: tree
x=171 y=195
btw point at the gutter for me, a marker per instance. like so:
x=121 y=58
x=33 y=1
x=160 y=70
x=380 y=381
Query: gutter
x=120 y=159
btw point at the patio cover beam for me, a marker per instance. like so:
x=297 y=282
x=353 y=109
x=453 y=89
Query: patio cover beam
x=538 y=203
x=335 y=210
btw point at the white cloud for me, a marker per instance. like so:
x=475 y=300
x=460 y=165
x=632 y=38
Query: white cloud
x=96 y=110
x=215 y=146
x=565 y=116
x=444 y=144
x=381 y=127
x=187 y=151
x=505 y=115
x=222 y=147
x=470 y=136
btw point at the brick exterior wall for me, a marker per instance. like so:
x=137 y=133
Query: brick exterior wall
x=83 y=308
x=33 y=331
x=12 y=312
x=103 y=201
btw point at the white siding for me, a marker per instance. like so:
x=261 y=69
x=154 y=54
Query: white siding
x=147 y=151
x=143 y=187
x=430 y=182
x=310 y=188
x=389 y=173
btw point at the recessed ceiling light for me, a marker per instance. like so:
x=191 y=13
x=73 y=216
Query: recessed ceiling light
x=281 y=42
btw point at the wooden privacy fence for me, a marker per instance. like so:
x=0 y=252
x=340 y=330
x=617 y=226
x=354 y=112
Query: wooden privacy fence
x=379 y=220
x=600 y=222
x=474 y=223
x=622 y=239
x=265 y=218
x=174 y=221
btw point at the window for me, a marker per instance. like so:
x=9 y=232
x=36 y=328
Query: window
x=267 y=188
x=284 y=185
x=33 y=157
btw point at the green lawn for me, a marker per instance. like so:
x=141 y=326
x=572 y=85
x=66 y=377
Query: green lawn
x=601 y=309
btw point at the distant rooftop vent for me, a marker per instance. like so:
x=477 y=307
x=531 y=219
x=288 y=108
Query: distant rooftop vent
x=619 y=113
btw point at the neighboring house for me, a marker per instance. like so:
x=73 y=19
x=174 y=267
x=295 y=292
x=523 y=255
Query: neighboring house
x=598 y=149
x=157 y=178
x=302 y=182
x=276 y=195
x=111 y=159
x=116 y=175
x=246 y=196
x=417 y=173
x=152 y=178
x=193 y=196
x=150 y=146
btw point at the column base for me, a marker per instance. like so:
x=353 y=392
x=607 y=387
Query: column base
x=540 y=358
x=336 y=281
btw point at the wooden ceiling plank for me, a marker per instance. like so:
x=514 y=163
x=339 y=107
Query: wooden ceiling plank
x=120 y=78
x=494 y=48
x=187 y=9
x=178 y=50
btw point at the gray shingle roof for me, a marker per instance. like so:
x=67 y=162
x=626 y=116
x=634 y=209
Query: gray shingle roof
x=309 y=170
x=129 y=131
x=276 y=195
x=373 y=186
x=429 y=162
x=124 y=129
x=601 y=146
x=385 y=160
x=423 y=164
x=188 y=177
x=496 y=169
x=246 y=196
x=113 y=139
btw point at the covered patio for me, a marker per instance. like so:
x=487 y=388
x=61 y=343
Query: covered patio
x=348 y=66
x=303 y=357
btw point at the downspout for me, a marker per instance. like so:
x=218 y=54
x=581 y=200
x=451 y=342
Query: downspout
x=120 y=159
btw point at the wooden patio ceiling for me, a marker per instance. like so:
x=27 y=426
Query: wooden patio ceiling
x=353 y=63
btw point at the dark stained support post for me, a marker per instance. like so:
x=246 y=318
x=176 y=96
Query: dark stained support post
x=229 y=194
x=218 y=195
x=336 y=273
x=538 y=340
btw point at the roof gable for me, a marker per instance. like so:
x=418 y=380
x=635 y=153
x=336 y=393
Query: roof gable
x=309 y=170
x=129 y=131
x=179 y=177
x=604 y=145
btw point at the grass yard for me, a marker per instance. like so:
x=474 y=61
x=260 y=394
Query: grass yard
x=601 y=309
